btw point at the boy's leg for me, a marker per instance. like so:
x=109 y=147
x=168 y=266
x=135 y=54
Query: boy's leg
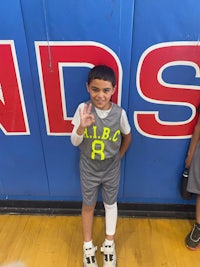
x=111 y=213
x=193 y=238
x=89 y=187
x=110 y=187
x=87 y=221
x=108 y=247
x=89 y=259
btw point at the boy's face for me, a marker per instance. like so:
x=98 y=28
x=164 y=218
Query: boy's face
x=100 y=93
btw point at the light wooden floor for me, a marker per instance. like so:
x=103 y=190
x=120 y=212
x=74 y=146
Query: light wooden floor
x=56 y=241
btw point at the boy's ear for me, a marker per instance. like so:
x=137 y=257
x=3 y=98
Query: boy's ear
x=114 y=88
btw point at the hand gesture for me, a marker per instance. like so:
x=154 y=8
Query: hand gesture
x=86 y=117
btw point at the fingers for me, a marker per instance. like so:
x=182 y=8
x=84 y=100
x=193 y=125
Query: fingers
x=86 y=117
x=92 y=118
x=87 y=108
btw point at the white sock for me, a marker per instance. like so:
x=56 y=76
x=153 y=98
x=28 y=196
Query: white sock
x=108 y=242
x=88 y=245
x=111 y=213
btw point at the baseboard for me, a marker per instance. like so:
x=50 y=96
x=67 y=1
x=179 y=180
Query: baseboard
x=74 y=208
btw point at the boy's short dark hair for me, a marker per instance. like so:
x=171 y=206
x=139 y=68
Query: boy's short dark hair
x=102 y=72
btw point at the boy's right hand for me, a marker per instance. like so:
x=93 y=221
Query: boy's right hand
x=86 y=117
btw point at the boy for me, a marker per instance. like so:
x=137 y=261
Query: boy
x=102 y=131
x=192 y=162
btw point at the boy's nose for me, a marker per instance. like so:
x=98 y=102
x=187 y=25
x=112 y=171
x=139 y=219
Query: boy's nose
x=101 y=94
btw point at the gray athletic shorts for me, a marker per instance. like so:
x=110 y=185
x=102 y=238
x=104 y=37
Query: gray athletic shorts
x=194 y=174
x=104 y=174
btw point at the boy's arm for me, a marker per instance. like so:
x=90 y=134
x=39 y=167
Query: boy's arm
x=193 y=143
x=126 y=140
x=76 y=139
x=86 y=119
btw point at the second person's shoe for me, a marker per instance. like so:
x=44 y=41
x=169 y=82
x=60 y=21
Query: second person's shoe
x=192 y=240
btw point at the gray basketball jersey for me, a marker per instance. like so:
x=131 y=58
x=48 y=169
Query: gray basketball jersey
x=102 y=140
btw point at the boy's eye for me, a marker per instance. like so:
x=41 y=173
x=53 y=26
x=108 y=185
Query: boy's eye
x=95 y=89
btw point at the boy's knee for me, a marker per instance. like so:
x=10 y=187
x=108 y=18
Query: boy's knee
x=88 y=209
x=110 y=207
